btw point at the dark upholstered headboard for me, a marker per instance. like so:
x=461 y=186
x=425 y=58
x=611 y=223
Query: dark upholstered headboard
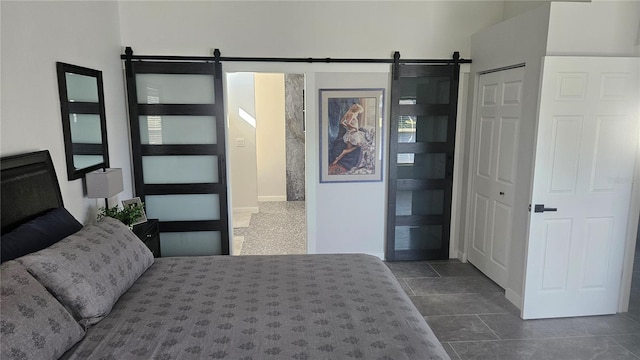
x=29 y=188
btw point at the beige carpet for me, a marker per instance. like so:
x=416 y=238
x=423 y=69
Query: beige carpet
x=278 y=228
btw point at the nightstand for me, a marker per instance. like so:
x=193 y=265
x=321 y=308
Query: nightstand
x=149 y=233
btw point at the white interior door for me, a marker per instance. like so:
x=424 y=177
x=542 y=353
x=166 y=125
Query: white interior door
x=586 y=145
x=496 y=147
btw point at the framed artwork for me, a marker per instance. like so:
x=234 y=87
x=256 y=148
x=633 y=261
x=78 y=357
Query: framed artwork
x=135 y=202
x=351 y=123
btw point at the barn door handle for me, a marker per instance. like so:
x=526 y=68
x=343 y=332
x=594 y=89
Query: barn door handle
x=540 y=208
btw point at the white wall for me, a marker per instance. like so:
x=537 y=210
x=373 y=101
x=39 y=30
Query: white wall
x=517 y=7
x=34 y=36
x=598 y=28
x=521 y=39
x=32 y=32
x=355 y=213
x=429 y=29
x=271 y=158
x=363 y=29
x=242 y=159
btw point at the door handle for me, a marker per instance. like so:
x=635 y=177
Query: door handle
x=540 y=208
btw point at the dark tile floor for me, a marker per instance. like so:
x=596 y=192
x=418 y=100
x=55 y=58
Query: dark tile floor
x=473 y=319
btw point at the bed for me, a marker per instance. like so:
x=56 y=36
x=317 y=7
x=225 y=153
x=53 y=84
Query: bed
x=98 y=293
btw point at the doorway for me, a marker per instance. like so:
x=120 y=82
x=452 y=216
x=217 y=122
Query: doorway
x=265 y=121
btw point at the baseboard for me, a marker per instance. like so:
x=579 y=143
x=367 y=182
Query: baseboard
x=251 y=209
x=514 y=298
x=273 y=198
x=462 y=256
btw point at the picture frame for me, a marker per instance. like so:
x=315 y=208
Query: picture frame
x=351 y=133
x=135 y=201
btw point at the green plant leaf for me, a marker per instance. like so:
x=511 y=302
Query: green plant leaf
x=127 y=215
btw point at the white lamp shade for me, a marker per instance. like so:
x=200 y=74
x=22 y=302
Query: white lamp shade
x=104 y=183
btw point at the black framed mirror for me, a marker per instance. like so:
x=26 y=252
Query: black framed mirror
x=84 y=124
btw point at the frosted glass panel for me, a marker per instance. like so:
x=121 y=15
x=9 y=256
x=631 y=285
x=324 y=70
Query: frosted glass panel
x=85 y=129
x=180 y=169
x=167 y=130
x=183 y=207
x=81 y=88
x=175 y=89
x=83 y=161
x=195 y=243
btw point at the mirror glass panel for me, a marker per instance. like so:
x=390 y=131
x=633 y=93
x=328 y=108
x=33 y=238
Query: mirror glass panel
x=81 y=88
x=83 y=119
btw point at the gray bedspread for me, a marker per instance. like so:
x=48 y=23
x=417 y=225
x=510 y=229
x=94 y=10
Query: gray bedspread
x=263 y=307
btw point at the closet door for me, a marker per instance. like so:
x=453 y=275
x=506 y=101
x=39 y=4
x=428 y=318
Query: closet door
x=495 y=168
x=422 y=138
x=177 y=128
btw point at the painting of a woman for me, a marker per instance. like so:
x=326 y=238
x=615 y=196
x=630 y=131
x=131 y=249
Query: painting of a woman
x=353 y=137
x=351 y=134
x=345 y=153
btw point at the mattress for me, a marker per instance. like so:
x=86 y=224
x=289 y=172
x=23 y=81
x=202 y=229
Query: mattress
x=263 y=307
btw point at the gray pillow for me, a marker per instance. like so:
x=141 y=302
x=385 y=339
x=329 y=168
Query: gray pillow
x=34 y=324
x=89 y=270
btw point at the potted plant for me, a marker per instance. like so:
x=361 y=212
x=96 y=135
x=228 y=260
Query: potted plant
x=128 y=215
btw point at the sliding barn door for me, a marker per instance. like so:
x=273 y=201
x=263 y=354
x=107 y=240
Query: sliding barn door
x=178 y=143
x=422 y=137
